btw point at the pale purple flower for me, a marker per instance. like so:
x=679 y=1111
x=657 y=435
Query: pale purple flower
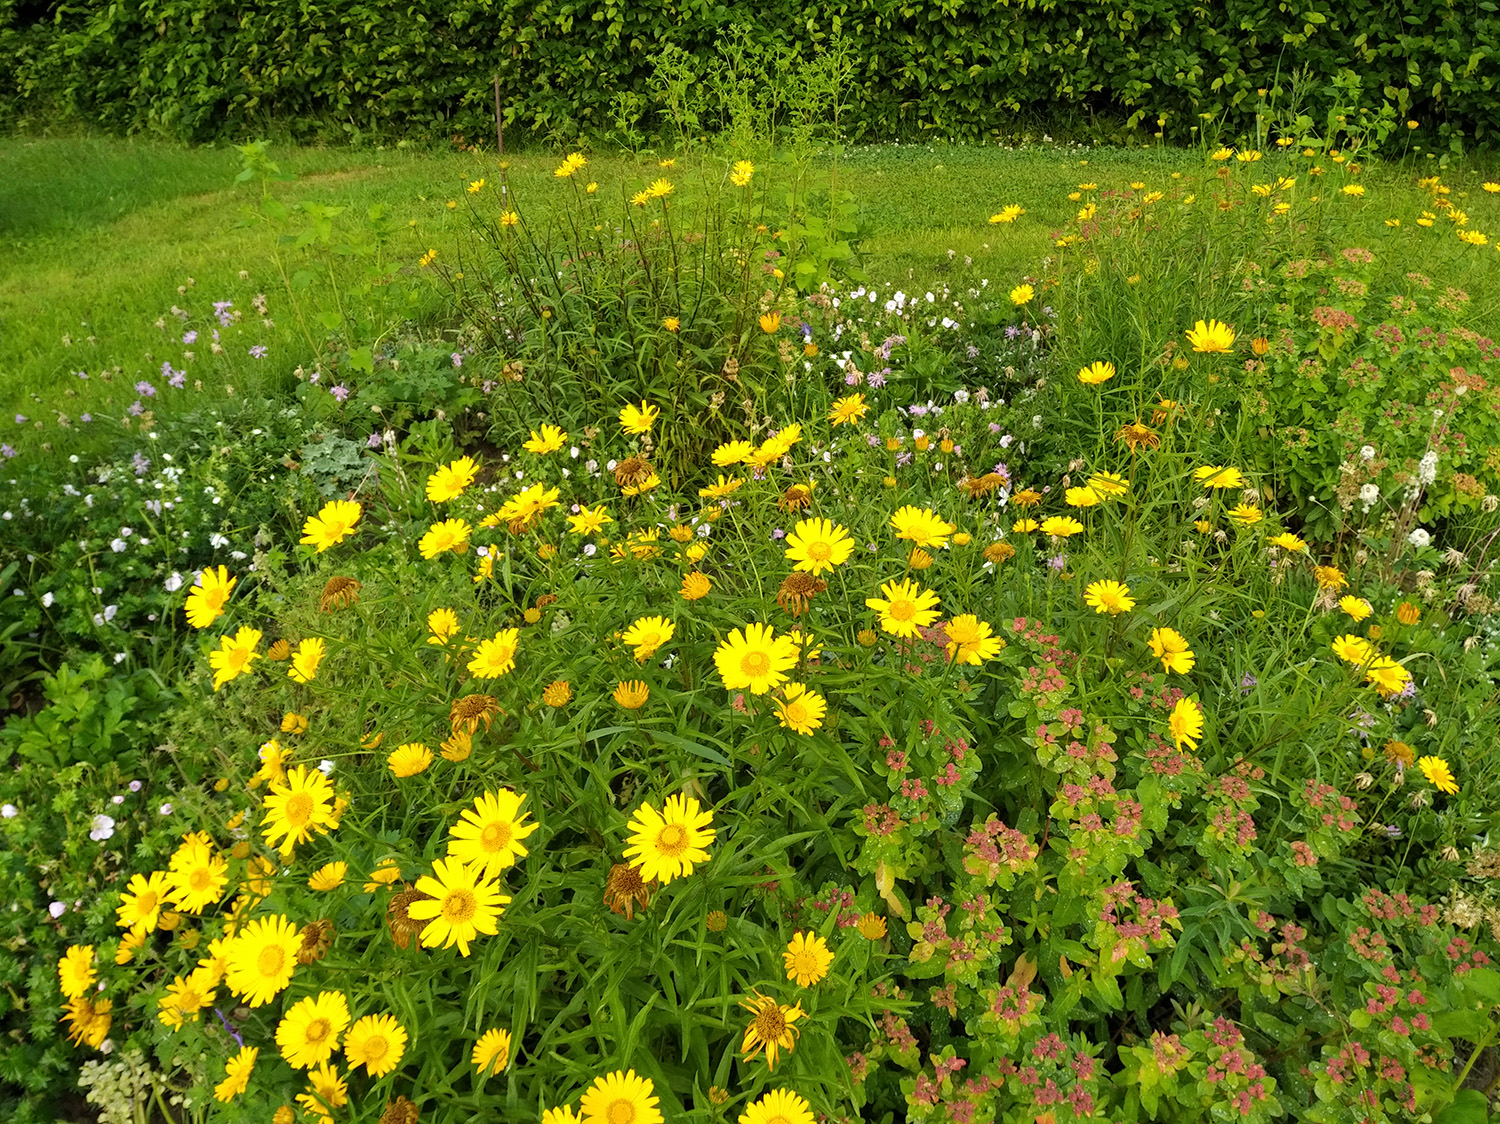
x=903 y=459
x=165 y=809
x=458 y=359
x=994 y=427
x=221 y=310
x=7 y=452
x=876 y=380
x=340 y=392
x=258 y=351
x=373 y=441
x=1058 y=562
x=83 y=375
x=916 y=411
x=140 y=463
x=145 y=389
x=1247 y=681
x=57 y=909
x=1391 y=831
x=851 y=379
x=1012 y=332
x=778 y=533
x=85 y=417
x=136 y=409
x=117 y=798
x=190 y=337
x=20 y=419
x=134 y=786
x=872 y=440
x=972 y=352
x=315 y=378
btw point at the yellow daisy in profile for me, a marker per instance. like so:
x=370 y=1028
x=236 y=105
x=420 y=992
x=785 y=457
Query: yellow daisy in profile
x=921 y=526
x=905 y=608
x=1110 y=597
x=332 y=525
x=142 y=901
x=1356 y=608
x=1171 y=647
x=298 y=808
x=971 y=641
x=1186 y=723
x=329 y=876
x=563 y=1114
x=799 y=709
x=1061 y=526
x=638 y=420
x=207 y=598
x=1245 y=514
x=695 y=586
x=632 y=694
x=260 y=958
x=848 y=410
x=621 y=1098
x=309 y=654
x=779 y=1106
x=447 y=535
x=309 y=1032
x=237 y=1074
x=755 y=660
x=492 y=1052
x=1288 y=542
x=807 y=959
x=409 y=760
x=732 y=453
x=75 y=971
x=1353 y=649
x=1211 y=337
x=1438 y=774
x=548 y=440
x=1109 y=485
x=488 y=835
x=1096 y=373
x=818 y=545
x=1008 y=214
x=497 y=656
x=772 y=1027
x=443 y=626
x=460 y=905
x=647 y=634
x=1219 y=476
x=234 y=656
x=667 y=844
x=1024 y=526
x=375 y=1042
x=1082 y=497
x=452 y=480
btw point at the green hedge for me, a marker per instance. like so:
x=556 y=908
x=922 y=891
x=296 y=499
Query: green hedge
x=961 y=69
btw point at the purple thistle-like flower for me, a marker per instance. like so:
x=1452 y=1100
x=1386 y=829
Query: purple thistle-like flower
x=85 y=417
x=190 y=337
x=972 y=352
x=851 y=379
x=136 y=409
x=872 y=440
x=84 y=375
x=141 y=464
x=876 y=380
x=1058 y=562
x=341 y=392
x=145 y=389
x=314 y=378
x=916 y=411
x=778 y=533
x=178 y=379
x=1247 y=681
x=1012 y=332
x=7 y=452
x=373 y=441
x=458 y=358
x=903 y=459
x=20 y=419
x=258 y=351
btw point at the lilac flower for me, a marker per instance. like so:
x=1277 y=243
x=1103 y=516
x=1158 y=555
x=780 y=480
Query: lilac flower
x=134 y=786
x=876 y=380
x=145 y=389
x=136 y=409
x=1012 y=332
x=872 y=440
x=1058 y=562
x=83 y=375
x=972 y=352
x=190 y=337
x=851 y=379
x=7 y=452
x=20 y=419
x=340 y=392
x=778 y=533
x=165 y=809
x=258 y=351
x=85 y=417
x=154 y=506
x=1001 y=470
x=994 y=427
x=140 y=463
x=221 y=310
x=238 y=1041
x=916 y=411
x=314 y=378
x=1409 y=690
x=1391 y=831
x=57 y=909
x=903 y=459
x=458 y=358
x=178 y=379
x=1247 y=681
x=373 y=441
x=806 y=329
x=488 y=386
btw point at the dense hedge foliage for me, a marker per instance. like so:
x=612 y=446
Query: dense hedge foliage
x=208 y=68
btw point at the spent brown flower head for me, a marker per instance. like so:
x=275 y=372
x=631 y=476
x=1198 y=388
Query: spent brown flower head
x=398 y=916
x=339 y=593
x=317 y=939
x=632 y=472
x=797 y=592
x=625 y=890
x=468 y=712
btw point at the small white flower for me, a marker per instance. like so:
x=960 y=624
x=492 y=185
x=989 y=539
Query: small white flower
x=165 y=809
x=217 y=540
x=1419 y=538
x=57 y=909
x=1427 y=467
x=8 y=811
x=173 y=582
x=961 y=397
x=110 y=611
x=103 y=826
x=325 y=767
x=1368 y=494
x=117 y=798
x=1367 y=452
x=117 y=545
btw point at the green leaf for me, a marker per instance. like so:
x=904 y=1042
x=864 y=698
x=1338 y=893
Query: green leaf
x=1469 y=1107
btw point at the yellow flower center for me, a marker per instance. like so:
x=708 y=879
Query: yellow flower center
x=770 y=1024
x=215 y=598
x=796 y=714
x=459 y=906
x=819 y=551
x=146 y=904
x=496 y=836
x=755 y=664
x=271 y=961
x=902 y=610
x=672 y=840
x=375 y=1049
x=621 y=1111
x=238 y=657
x=298 y=809
x=317 y=1031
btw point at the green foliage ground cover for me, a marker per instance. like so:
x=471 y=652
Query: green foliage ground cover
x=1060 y=870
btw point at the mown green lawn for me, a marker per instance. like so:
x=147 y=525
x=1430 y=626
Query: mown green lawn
x=99 y=237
